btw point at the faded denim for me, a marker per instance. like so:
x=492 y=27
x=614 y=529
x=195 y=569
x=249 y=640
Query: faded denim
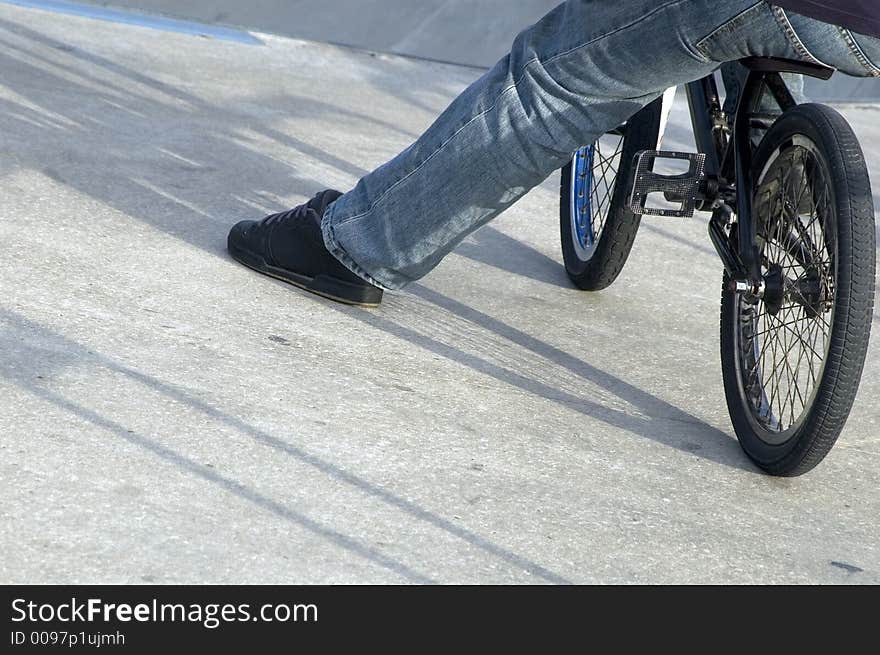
x=580 y=71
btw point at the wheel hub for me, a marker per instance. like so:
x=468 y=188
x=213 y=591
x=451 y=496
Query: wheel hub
x=774 y=289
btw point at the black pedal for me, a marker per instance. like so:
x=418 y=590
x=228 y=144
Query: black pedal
x=682 y=190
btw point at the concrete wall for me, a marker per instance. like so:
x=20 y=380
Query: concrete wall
x=842 y=88
x=472 y=32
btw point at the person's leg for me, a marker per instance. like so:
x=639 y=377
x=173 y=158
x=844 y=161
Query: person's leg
x=579 y=72
x=582 y=70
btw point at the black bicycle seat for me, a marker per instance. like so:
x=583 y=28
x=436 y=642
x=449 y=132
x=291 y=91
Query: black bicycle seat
x=779 y=65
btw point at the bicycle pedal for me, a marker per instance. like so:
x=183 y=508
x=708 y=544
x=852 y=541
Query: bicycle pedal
x=681 y=190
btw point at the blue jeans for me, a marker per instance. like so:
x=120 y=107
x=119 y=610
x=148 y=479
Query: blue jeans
x=579 y=72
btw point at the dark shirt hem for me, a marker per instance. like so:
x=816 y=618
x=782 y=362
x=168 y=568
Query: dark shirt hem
x=854 y=15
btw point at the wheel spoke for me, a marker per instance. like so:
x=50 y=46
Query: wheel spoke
x=785 y=344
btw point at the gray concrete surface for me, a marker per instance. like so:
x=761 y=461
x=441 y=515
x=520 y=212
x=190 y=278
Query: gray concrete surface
x=473 y=32
x=168 y=416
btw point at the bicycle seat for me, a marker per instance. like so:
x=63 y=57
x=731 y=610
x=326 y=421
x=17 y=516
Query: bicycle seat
x=779 y=65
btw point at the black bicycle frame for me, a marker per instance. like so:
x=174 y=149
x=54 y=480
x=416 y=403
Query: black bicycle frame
x=729 y=151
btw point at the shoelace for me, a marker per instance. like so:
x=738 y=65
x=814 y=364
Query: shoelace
x=297 y=213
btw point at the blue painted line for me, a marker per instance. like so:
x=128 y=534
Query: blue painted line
x=142 y=20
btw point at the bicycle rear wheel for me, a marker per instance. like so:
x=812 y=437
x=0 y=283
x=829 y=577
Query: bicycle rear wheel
x=793 y=358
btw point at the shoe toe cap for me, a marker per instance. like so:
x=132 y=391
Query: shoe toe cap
x=239 y=232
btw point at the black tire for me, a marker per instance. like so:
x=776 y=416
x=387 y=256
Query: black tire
x=817 y=142
x=599 y=268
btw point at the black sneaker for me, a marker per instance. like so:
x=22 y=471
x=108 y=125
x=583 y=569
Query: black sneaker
x=289 y=246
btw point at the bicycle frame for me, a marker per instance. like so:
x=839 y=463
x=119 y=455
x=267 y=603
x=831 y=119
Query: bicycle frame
x=728 y=188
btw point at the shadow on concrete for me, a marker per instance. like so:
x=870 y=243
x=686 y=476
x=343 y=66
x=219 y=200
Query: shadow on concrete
x=492 y=247
x=33 y=343
x=176 y=195
x=651 y=411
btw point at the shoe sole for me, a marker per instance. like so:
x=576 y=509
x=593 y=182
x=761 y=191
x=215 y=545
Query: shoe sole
x=321 y=285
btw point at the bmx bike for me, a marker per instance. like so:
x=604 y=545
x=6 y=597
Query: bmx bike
x=792 y=219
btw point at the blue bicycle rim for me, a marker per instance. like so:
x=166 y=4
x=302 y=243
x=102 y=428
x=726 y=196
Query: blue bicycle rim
x=581 y=197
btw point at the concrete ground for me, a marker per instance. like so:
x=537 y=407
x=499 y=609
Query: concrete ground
x=169 y=416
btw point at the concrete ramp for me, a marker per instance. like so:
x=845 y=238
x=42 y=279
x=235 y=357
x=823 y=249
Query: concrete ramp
x=468 y=32
x=168 y=416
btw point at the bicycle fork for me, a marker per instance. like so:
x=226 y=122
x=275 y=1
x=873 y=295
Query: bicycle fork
x=719 y=176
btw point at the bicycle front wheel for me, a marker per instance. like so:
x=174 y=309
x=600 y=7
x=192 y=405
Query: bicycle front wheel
x=793 y=358
x=596 y=225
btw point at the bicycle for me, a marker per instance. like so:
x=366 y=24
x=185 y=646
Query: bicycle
x=792 y=219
